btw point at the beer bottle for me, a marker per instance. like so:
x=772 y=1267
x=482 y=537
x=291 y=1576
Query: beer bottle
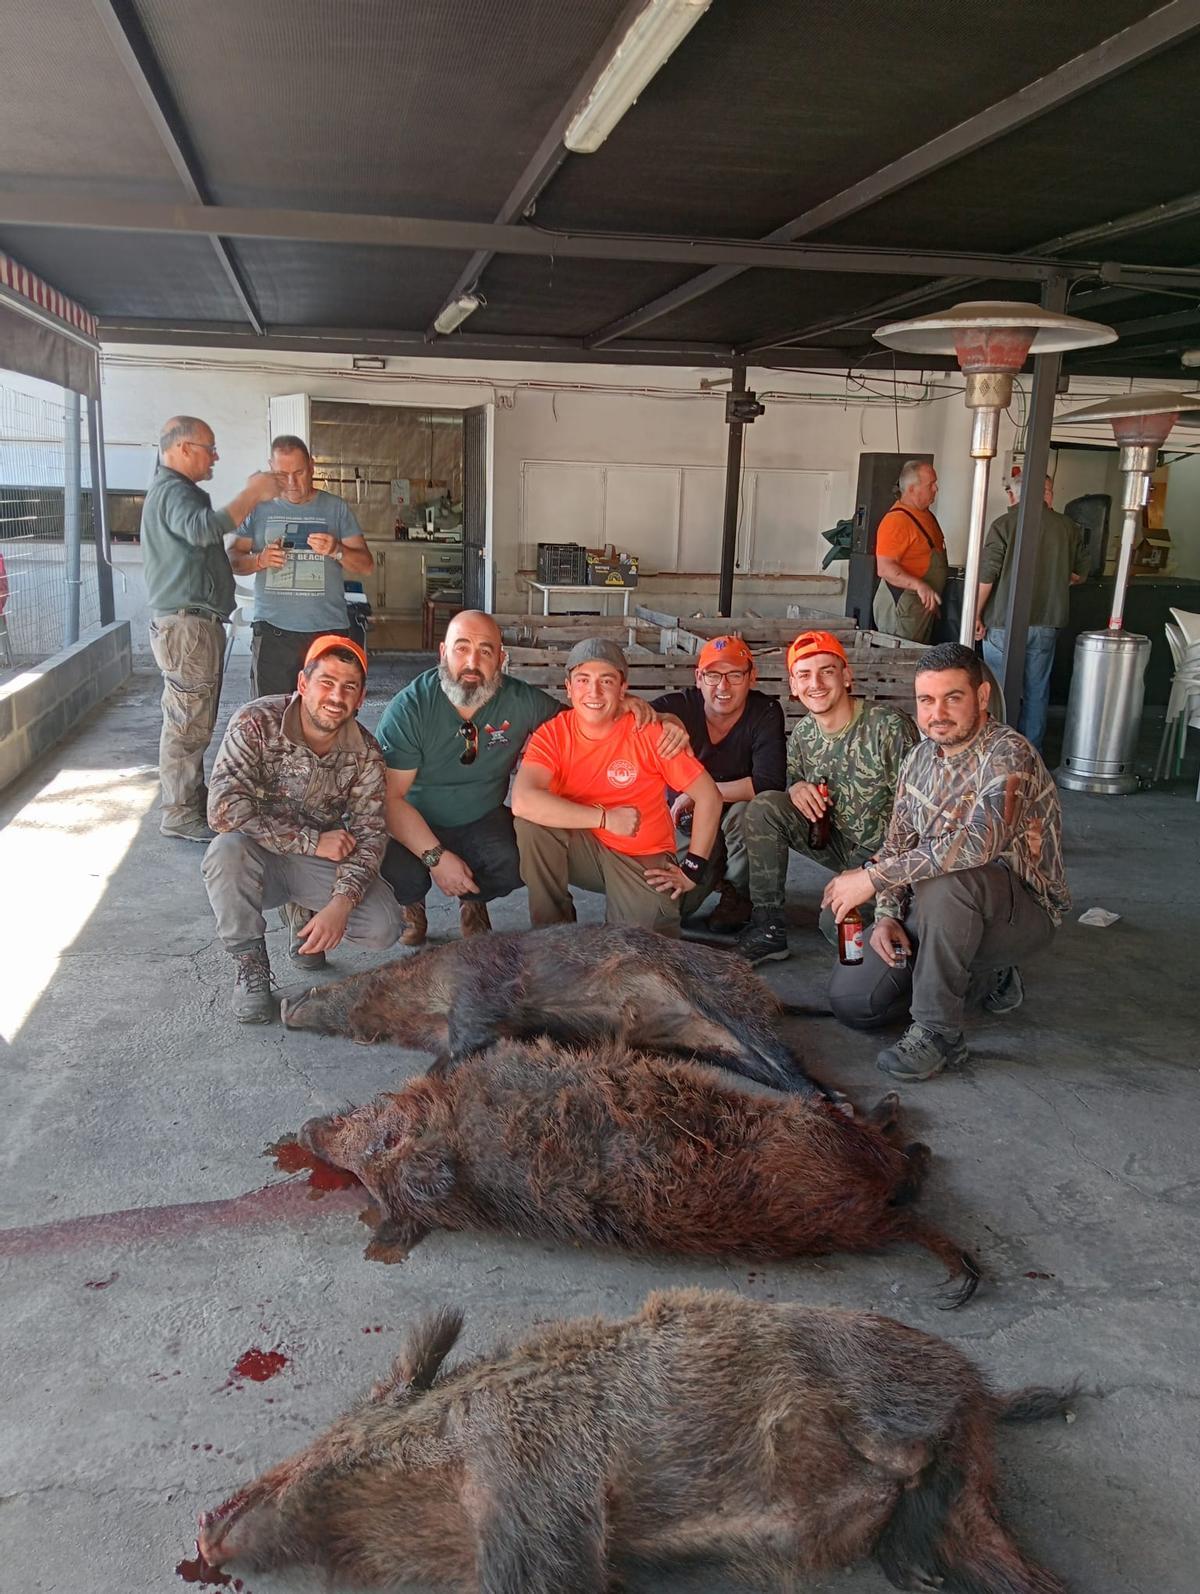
x=850 y=938
x=820 y=830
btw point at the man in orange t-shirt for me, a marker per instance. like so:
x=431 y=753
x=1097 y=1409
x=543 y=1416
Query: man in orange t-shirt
x=590 y=804
x=910 y=558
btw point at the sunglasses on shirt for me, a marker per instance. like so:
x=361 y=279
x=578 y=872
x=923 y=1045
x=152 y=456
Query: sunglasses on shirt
x=470 y=734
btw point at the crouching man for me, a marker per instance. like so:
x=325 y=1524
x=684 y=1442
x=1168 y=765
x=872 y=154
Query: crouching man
x=970 y=877
x=590 y=804
x=297 y=796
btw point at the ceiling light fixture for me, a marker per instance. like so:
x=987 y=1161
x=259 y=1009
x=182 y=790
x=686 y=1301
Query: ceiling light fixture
x=991 y=340
x=652 y=37
x=456 y=312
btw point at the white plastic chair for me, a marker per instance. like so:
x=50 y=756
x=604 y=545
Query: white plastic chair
x=1189 y=624
x=241 y=617
x=1183 y=706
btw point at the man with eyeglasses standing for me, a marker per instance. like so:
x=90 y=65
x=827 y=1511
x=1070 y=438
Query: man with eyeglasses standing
x=189 y=586
x=451 y=739
x=737 y=734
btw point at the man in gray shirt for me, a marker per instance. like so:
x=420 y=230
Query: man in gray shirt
x=298 y=547
x=190 y=590
x=1062 y=562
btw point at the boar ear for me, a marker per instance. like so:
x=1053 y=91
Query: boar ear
x=427 y=1347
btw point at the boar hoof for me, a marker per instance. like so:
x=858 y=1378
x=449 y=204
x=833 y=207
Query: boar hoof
x=289 y=1006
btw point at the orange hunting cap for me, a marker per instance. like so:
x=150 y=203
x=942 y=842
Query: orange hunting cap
x=725 y=650
x=810 y=642
x=326 y=644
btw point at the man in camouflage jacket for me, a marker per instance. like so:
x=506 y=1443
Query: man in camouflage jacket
x=852 y=749
x=969 y=880
x=297 y=796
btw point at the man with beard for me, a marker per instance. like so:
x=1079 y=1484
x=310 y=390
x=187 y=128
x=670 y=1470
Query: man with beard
x=737 y=734
x=298 y=548
x=450 y=740
x=969 y=880
x=843 y=761
x=298 y=799
x=590 y=802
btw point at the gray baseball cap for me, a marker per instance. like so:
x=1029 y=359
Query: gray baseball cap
x=597 y=647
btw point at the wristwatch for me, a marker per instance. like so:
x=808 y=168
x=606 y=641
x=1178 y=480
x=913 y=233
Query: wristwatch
x=433 y=857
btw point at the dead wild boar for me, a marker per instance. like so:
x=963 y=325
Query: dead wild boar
x=615 y=1147
x=574 y=983
x=781 y=1439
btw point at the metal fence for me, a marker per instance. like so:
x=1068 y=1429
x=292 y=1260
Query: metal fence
x=49 y=593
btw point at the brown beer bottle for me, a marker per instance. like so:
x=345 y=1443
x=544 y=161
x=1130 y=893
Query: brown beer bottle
x=820 y=830
x=850 y=938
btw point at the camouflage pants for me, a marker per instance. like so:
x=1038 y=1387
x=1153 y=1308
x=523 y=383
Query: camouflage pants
x=775 y=827
x=189 y=649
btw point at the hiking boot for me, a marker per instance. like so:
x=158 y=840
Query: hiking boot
x=921 y=1053
x=188 y=827
x=764 y=940
x=1007 y=992
x=732 y=913
x=473 y=918
x=416 y=925
x=252 y=1002
x=295 y=918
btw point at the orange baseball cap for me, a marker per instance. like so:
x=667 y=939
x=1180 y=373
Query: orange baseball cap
x=725 y=650
x=810 y=642
x=326 y=644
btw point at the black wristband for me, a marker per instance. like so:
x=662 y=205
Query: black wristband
x=694 y=866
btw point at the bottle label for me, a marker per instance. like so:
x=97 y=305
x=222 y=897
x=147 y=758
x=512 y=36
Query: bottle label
x=852 y=943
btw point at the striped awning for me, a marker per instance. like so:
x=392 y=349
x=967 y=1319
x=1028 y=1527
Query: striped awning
x=45 y=334
x=18 y=279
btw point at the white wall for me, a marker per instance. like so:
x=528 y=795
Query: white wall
x=1183 y=516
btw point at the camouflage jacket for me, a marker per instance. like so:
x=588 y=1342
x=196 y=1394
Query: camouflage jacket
x=992 y=802
x=268 y=784
x=860 y=764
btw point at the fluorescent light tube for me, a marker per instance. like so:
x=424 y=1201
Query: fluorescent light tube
x=456 y=312
x=652 y=38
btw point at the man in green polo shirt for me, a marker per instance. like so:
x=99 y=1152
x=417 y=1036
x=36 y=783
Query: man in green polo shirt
x=450 y=740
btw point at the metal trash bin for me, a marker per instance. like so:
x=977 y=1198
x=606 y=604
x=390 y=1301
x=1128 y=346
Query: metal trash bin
x=1104 y=713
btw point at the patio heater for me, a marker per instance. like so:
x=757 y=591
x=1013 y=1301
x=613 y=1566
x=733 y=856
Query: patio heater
x=992 y=339
x=1104 y=709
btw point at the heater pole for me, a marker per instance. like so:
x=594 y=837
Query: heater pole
x=1137 y=466
x=985 y=426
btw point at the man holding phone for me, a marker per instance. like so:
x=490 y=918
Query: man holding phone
x=298 y=547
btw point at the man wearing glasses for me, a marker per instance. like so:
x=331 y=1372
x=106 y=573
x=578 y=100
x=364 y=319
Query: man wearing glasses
x=450 y=740
x=737 y=734
x=190 y=589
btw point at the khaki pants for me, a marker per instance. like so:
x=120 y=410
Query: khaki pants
x=242 y=878
x=189 y=649
x=553 y=860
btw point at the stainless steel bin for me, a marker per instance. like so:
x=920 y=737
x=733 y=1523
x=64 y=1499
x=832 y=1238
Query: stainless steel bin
x=1104 y=712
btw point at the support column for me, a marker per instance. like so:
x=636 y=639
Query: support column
x=1023 y=553
x=733 y=488
x=72 y=519
x=100 y=527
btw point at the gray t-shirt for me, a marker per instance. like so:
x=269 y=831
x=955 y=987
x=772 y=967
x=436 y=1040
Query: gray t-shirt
x=308 y=592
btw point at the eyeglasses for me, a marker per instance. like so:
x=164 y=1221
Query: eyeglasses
x=470 y=734
x=191 y=443
x=715 y=677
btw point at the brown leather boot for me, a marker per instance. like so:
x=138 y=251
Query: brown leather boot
x=473 y=918
x=732 y=912
x=416 y=925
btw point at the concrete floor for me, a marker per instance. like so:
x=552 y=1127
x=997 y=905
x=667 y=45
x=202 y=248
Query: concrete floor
x=132 y=1109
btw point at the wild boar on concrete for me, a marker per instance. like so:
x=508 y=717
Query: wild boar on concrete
x=574 y=983
x=781 y=1440
x=609 y=1146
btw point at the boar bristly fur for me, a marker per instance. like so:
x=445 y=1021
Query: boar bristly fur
x=610 y=1146
x=574 y=983
x=781 y=1440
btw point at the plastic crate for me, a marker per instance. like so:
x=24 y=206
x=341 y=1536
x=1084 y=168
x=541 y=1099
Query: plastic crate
x=562 y=564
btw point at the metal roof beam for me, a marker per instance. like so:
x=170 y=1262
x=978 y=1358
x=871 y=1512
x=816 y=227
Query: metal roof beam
x=1114 y=55
x=545 y=160
x=132 y=47
x=419 y=232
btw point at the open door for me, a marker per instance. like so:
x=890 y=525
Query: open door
x=288 y=416
x=478 y=571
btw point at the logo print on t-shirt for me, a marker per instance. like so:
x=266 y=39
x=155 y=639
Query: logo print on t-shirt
x=621 y=772
x=496 y=736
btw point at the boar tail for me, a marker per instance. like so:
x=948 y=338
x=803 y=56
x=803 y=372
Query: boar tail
x=1037 y=1403
x=962 y=1264
x=427 y=1346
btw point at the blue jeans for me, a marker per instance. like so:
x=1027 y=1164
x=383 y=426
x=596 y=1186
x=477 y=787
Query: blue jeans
x=1035 y=692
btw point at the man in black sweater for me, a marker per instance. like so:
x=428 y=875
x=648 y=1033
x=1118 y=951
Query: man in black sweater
x=737 y=734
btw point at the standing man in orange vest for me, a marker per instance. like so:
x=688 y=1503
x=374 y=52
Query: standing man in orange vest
x=910 y=558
